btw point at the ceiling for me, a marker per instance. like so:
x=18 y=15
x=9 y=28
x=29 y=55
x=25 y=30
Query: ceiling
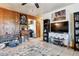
x=30 y=8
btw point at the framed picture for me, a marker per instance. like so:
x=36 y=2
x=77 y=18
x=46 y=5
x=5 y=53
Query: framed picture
x=23 y=20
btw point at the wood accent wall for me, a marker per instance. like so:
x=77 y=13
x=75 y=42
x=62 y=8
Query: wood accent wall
x=38 y=26
x=31 y=17
x=9 y=22
x=38 y=29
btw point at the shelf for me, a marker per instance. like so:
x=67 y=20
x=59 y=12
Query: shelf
x=77 y=42
x=76 y=20
x=59 y=21
x=77 y=34
x=60 y=15
x=77 y=28
x=63 y=16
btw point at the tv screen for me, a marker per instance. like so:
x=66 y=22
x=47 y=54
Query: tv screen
x=59 y=27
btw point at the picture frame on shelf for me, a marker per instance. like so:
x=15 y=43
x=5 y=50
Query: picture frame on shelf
x=59 y=15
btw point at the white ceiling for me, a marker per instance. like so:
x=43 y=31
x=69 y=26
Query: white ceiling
x=30 y=8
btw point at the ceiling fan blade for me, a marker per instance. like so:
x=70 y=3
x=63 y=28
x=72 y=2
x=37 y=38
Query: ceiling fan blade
x=23 y=3
x=37 y=5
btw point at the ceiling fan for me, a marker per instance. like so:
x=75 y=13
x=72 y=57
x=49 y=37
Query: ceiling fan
x=36 y=4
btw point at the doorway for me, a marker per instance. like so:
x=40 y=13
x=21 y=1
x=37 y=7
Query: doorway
x=32 y=28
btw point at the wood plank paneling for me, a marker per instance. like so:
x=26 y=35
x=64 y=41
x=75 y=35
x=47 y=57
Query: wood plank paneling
x=1 y=22
x=38 y=28
x=8 y=21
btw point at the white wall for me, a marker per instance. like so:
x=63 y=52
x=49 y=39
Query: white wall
x=69 y=17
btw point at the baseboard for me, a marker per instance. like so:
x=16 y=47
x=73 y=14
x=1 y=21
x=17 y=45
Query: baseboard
x=69 y=46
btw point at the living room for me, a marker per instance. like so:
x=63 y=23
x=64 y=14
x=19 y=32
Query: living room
x=38 y=27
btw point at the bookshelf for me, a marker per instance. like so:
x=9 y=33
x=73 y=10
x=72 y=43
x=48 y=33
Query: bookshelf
x=46 y=30
x=76 y=31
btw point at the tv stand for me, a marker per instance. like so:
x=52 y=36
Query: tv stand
x=59 y=38
x=58 y=41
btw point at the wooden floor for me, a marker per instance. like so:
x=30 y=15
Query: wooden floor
x=36 y=47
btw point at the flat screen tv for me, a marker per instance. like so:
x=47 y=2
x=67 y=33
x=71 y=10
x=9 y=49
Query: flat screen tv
x=59 y=27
